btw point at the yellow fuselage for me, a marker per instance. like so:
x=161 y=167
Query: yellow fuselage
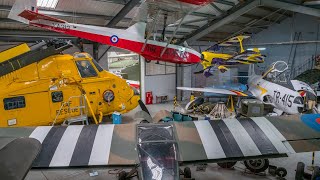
x=209 y=56
x=26 y=95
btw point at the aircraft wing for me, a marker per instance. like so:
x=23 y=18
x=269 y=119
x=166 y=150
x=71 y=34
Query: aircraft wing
x=197 y=141
x=232 y=41
x=215 y=91
x=213 y=141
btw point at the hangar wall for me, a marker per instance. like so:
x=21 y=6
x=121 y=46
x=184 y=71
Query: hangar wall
x=285 y=32
x=160 y=79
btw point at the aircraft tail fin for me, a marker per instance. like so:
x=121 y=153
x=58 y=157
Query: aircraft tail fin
x=21 y=6
x=138 y=28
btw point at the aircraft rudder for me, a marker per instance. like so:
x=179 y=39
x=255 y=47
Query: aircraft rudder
x=19 y=6
x=138 y=28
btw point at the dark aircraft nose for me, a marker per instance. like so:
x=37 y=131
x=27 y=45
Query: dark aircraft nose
x=300 y=109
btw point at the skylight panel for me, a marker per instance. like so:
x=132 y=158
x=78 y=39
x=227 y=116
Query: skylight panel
x=50 y=4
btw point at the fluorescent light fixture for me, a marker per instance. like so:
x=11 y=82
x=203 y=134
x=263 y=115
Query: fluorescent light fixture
x=260 y=49
x=50 y=4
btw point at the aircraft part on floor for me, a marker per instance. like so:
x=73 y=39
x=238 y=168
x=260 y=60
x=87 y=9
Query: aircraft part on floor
x=251 y=108
x=192 y=105
x=214 y=141
x=207 y=107
x=220 y=111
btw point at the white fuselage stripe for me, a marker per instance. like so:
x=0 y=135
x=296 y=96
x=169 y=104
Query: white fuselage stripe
x=246 y=144
x=209 y=140
x=40 y=133
x=64 y=151
x=101 y=146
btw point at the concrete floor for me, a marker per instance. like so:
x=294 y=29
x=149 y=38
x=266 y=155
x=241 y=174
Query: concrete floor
x=213 y=171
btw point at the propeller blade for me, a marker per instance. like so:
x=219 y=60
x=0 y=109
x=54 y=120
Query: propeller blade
x=144 y=107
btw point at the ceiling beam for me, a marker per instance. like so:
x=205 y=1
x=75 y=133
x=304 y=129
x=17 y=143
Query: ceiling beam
x=292 y=7
x=189 y=26
x=69 y=14
x=123 y=2
x=214 y=6
x=123 y=12
x=241 y=25
x=270 y=10
x=241 y=9
x=171 y=32
x=226 y=18
x=203 y=15
x=250 y=16
x=225 y=2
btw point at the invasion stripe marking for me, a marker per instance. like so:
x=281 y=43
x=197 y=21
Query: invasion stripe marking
x=101 y=146
x=226 y=139
x=40 y=133
x=275 y=130
x=49 y=146
x=64 y=151
x=82 y=151
x=257 y=135
x=246 y=144
x=261 y=122
x=209 y=140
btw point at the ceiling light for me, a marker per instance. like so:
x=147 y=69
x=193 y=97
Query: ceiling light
x=260 y=49
x=51 y=4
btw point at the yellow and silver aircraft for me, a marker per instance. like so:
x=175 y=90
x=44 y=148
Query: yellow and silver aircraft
x=213 y=59
x=41 y=86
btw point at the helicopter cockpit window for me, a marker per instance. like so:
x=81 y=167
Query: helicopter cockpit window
x=86 y=69
x=97 y=66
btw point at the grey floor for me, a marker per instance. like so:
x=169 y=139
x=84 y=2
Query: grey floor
x=213 y=171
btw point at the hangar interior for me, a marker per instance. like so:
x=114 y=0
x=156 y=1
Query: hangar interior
x=280 y=39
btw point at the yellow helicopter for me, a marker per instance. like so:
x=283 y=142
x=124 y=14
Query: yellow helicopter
x=212 y=59
x=41 y=86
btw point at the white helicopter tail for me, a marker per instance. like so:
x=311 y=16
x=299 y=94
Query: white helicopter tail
x=19 y=7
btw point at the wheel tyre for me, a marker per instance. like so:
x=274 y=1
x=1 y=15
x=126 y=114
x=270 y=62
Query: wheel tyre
x=122 y=175
x=144 y=122
x=281 y=172
x=227 y=165
x=299 y=171
x=316 y=173
x=257 y=166
x=187 y=172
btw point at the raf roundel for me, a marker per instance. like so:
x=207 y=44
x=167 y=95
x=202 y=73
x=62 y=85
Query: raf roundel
x=114 y=39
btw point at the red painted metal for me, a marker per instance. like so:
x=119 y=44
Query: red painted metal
x=196 y=2
x=151 y=52
x=30 y=15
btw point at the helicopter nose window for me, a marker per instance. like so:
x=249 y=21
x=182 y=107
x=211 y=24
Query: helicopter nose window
x=298 y=100
x=86 y=69
x=97 y=65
